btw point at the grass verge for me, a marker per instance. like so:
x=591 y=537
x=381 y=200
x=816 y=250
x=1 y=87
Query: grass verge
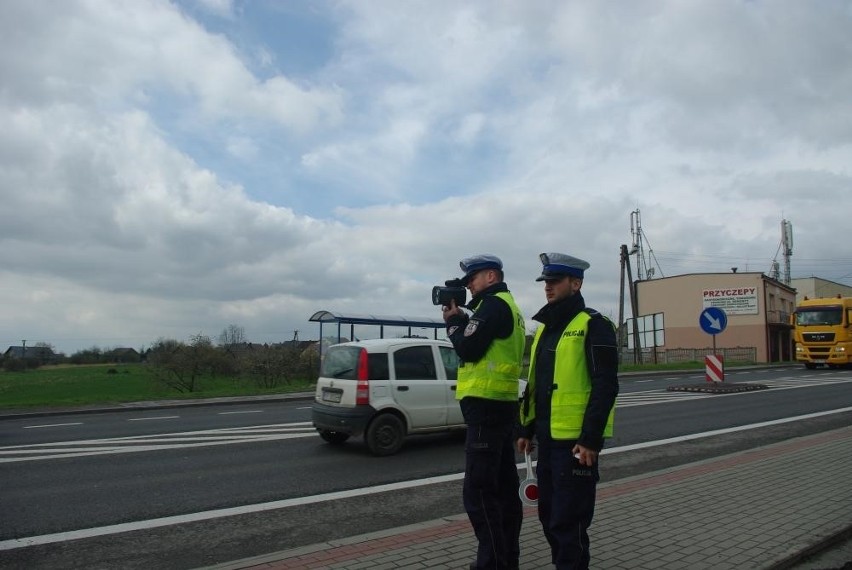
x=78 y=385
x=74 y=385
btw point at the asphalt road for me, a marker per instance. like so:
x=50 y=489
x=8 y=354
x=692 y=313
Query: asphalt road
x=65 y=474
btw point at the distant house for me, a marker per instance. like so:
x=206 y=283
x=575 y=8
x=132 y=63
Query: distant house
x=240 y=349
x=43 y=354
x=122 y=355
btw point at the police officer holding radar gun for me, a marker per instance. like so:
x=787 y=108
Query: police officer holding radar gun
x=490 y=344
x=568 y=407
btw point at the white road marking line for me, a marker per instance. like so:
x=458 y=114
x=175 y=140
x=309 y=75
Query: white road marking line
x=140 y=448
x=663 y=396
x=155 y=442
x=713 y=433
x=324 y=497
x=162 y=447
x=152 y=418
x=53 y=425
x=242 y=412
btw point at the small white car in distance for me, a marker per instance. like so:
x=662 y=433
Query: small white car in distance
x=386 y=389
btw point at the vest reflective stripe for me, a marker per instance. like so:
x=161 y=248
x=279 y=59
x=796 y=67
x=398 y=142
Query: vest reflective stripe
x=572 y=379
x=495 y=375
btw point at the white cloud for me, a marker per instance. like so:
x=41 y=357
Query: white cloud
x=115 y=53
x=154 y=183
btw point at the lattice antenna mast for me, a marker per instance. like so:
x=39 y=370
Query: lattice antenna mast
x=787 y=246
x=643 y=268
x=637 y=249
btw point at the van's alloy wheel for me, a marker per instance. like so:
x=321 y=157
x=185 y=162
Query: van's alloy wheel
x=385 y=434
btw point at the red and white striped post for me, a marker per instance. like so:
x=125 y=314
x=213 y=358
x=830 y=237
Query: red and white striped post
x=714 y=366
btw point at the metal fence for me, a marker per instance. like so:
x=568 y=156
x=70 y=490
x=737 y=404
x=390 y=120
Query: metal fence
x=675 y=355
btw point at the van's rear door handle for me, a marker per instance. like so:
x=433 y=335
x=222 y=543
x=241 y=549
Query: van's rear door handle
x=402 y=388
x=453 y=387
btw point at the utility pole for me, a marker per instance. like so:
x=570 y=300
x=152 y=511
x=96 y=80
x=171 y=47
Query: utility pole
x=622 y=331
x=625 y=264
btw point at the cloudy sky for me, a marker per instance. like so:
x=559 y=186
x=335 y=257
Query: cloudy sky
x=172 y=168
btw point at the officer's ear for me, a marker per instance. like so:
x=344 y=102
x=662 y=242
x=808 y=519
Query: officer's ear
x=576 y=284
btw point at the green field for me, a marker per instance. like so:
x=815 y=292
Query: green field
x=73 y=385
x=77 y=385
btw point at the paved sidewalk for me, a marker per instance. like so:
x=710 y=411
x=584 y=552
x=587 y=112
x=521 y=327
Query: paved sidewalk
x=764 y=508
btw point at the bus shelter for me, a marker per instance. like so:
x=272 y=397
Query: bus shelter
x=408 y=323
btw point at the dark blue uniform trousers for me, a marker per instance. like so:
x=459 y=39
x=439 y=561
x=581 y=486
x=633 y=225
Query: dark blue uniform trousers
x=490 y=494
x=566 y=503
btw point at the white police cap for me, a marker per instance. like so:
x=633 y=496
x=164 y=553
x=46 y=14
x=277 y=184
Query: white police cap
x=559 y=265
x=470 y=265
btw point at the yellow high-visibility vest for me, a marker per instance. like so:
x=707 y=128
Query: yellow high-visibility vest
x=572 y=381
x=495 y=375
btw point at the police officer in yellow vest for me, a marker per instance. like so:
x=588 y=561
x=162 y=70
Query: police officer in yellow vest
x=490 y=344
x=568 y=407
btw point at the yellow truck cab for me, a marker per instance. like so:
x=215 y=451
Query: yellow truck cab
x=823 y=331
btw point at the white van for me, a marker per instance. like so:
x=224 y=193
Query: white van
x=386 y=389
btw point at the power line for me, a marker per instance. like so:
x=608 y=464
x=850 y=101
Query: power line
x=834 y=269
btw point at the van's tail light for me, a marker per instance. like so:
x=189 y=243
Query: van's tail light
x=362 y=390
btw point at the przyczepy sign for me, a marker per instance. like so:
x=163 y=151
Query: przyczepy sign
x=732 y=300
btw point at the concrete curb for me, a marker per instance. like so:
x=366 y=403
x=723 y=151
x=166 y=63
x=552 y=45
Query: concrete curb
x=824 y=545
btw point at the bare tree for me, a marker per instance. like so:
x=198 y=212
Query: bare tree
x=274 y=366
x=231 y=336
x=181 y=366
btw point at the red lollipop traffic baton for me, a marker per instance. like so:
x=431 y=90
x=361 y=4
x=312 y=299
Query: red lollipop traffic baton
x=528 y=491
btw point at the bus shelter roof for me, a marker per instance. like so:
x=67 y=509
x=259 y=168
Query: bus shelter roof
x=381 y=321
x=389 y=320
